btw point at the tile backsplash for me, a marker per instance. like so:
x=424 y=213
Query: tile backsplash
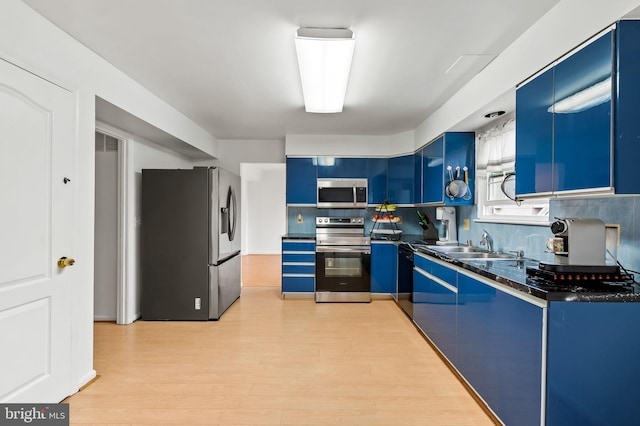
x=409 y=224
x=621 y=210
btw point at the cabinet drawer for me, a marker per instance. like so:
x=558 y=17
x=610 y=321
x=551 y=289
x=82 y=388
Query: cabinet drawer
x=422 y=262
x=447 y=275
x=299 y=246
x=299 y=268
x=308 y=257
x=298 y=284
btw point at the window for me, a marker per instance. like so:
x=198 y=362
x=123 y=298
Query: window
x=496 y=177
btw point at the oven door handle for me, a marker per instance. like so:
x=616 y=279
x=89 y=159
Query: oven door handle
x=343 y=249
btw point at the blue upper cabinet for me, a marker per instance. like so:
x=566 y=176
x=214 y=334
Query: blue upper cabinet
x=564 y=133
x=433 y=172
x=460 y=152
x=582 y=118
x=377 y=180
x=455 y=150
x=417 y=177
x=301 y=180
x=534 y=135
x=337 y=167
x=400 y=180
x=627 y=97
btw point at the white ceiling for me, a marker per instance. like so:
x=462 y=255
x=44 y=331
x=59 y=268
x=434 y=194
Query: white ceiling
x=230 y=65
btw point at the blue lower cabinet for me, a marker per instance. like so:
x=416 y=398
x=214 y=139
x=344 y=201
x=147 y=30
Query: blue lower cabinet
x=384 y=267
x=435 y=311
x=421 y=286
x=590 y=384
x=499 y=350
x=298 y=266
x=422 y=262
x=298 y=284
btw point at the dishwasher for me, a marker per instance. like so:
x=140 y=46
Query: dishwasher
x=404 y=290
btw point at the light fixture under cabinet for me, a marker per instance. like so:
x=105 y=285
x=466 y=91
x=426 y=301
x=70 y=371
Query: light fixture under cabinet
x=324 y=59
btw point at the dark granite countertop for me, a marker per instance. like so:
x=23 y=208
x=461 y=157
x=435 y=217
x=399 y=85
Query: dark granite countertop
x=513 y=274
x=299 y=236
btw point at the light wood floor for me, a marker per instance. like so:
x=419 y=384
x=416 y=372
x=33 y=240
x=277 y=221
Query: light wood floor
x=270 y=361
x=260 y=270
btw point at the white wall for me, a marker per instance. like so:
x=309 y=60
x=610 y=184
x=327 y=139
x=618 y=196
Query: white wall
x=560 y=30
x=264 y=214
x=139 y=154
x=106 y=236
x=30 y=41
x=233 y=152
x=349 y=145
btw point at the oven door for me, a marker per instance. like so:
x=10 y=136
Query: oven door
x=343 y=268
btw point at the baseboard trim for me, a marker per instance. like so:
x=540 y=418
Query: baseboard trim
x=87 y=379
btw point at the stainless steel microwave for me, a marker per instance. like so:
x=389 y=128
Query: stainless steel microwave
x=342 y=193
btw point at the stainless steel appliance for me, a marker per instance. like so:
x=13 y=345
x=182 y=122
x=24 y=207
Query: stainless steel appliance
x=448 y=217
x=584 y=241
x=343 y=260
x=579 y=258
x=404 y=290
x=190 y=243
x=342 y=193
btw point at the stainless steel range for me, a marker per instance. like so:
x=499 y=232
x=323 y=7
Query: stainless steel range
x=343 y=260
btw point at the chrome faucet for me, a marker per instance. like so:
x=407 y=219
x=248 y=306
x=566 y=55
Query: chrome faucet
x=486 y=239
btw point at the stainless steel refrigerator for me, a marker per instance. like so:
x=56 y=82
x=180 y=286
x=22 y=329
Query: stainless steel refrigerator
x=190 y=243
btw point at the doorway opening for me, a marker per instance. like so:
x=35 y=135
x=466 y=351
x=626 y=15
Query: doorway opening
x=264 y=220
x=108 y=253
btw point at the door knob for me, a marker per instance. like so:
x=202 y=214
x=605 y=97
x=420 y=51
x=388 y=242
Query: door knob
x=63 y=262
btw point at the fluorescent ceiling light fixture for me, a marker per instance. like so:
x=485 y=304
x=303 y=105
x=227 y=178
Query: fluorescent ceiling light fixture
x=590 y=97
x=324 y=59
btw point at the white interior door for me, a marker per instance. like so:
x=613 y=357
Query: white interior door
x=36 y=207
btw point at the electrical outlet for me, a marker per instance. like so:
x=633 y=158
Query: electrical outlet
x=198 y=303
x=465 y=224
x=300 y=219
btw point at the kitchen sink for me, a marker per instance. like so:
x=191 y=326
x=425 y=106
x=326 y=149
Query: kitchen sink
x=481 y=256
x=456 y=249
x=469 y=252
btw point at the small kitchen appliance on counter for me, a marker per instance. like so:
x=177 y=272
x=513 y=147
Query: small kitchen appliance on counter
x=448 y=217
x=579 y=249
x=343 y=260
x=581 y=241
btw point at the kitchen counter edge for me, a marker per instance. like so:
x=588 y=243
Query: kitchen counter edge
x=531 y=290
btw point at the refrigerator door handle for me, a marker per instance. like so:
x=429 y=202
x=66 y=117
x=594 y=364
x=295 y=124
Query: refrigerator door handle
x=232 y=218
